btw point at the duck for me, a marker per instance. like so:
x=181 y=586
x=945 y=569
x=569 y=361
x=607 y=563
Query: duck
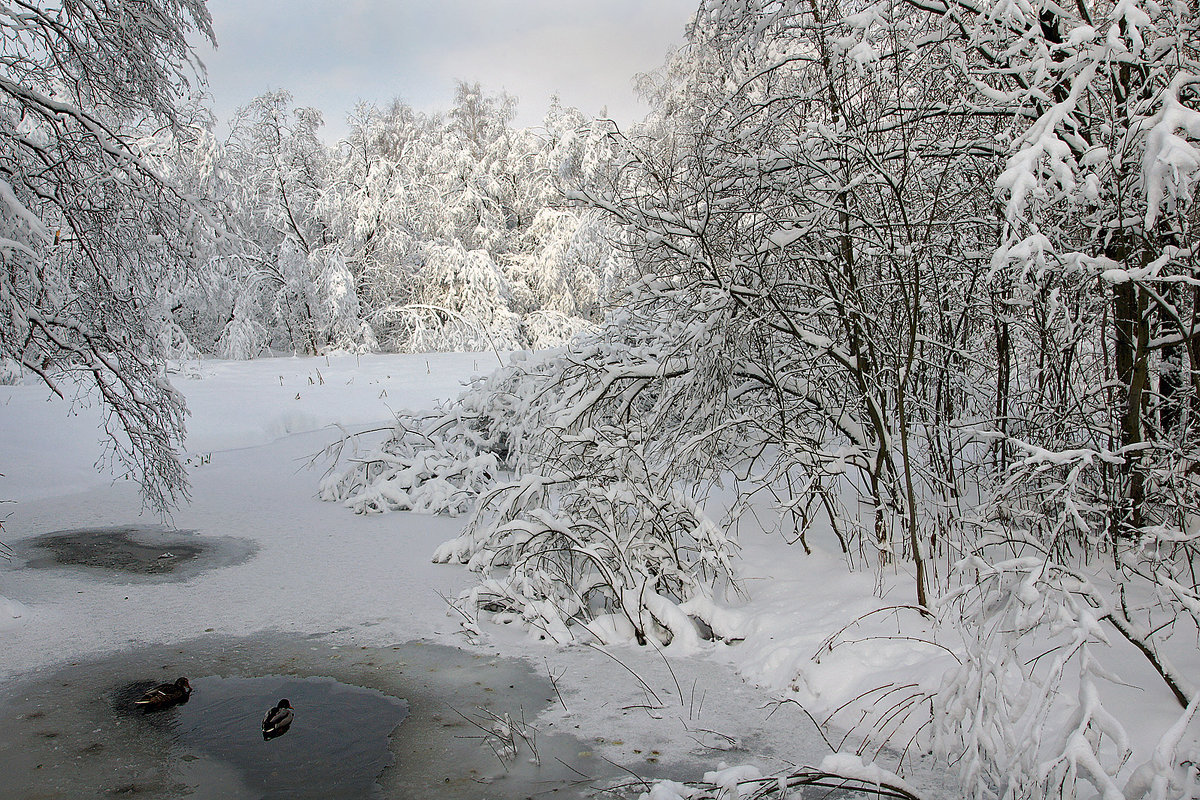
x=278 y=720
x=165 y=695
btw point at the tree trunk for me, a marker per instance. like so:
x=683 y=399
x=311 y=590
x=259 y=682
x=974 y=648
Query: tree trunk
x=1131 y=357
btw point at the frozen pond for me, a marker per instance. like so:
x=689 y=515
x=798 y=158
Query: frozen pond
x=412 y=720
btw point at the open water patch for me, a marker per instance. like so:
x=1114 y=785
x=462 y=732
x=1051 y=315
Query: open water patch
x=134 y=552
x=335 y=747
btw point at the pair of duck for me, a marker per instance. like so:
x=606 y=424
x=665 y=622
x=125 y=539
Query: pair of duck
x=165 y=695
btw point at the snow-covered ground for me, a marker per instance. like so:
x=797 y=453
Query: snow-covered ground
x=254 y=427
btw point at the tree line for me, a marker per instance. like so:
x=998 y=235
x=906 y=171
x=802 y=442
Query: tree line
x=415 y=232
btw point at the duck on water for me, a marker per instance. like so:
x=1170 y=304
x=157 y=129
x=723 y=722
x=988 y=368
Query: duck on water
x=165 y=695
x=278 y=720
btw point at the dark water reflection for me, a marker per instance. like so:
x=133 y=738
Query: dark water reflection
x=336 y=746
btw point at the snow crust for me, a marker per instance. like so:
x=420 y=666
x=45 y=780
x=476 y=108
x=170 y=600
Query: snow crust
x=11 y=613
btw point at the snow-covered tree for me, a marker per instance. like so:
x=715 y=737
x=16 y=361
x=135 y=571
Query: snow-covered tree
x=872 y=197
x=90 y=221
x=925 y=270
x=415 y=231
x=461 y=302
x=292 y=275
x=381 y=201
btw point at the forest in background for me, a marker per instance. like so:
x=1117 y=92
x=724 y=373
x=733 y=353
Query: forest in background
x=414 y=233
x=914 y=276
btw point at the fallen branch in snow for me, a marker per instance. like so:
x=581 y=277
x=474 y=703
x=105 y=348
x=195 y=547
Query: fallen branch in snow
x=838 y=771
x=831 y=640
x=1183 y=690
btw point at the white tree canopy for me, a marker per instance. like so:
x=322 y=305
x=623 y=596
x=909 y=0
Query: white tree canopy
x=90 y=225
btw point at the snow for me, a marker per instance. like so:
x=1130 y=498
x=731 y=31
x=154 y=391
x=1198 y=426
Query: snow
x=11 y=613
x=785 y=236
x=320 y=569
x=728 y=778
x=18 y=209
x=853 y=767
x=1170 y=162
x=233 y=404
x=254 y=427
x=811 y=633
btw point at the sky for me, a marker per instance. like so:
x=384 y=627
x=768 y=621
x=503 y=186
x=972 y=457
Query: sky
x=330 y=54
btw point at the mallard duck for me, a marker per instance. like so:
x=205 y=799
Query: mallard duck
x=165 y=695
x=278 y=720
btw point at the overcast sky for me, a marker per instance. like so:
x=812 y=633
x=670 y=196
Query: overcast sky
x=332 y=53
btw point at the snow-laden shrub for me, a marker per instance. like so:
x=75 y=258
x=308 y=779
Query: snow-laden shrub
x=341 y=326
x=174 y=341
x=418 y=469
x=546 y=329
x=10 y=372
x=440 y=461
x=1026 y=714
x=1030 y=712
x=244 y=337
x=600 y=538
x=417 y=328
x=598 y=535
x=1022 y=716
x=461 y=303
x=593 y=529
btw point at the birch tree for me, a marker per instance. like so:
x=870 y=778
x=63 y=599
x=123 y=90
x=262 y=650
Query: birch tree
x=90 y=221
